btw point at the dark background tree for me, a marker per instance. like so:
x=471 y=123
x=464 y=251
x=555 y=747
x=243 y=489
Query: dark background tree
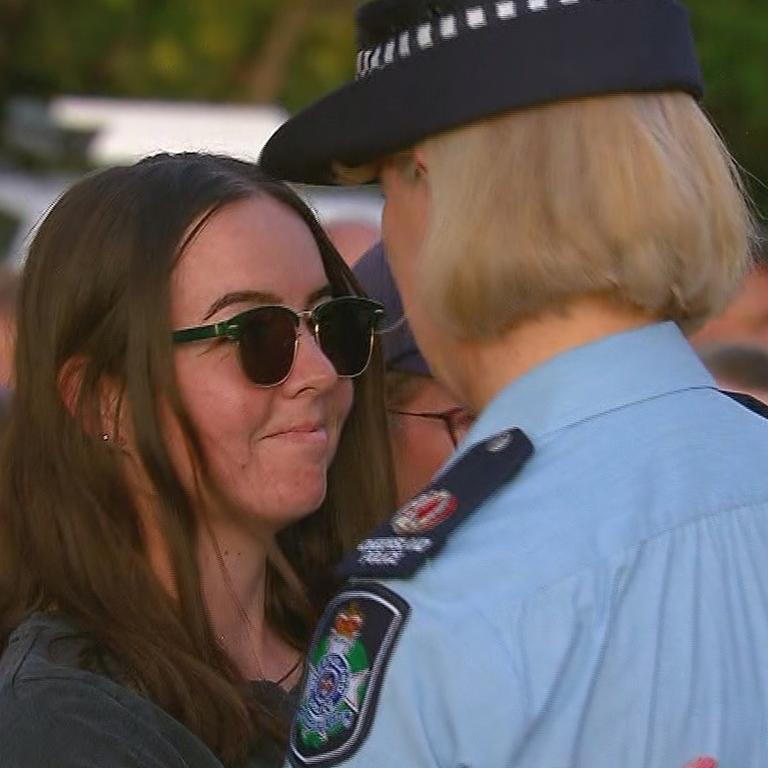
x=290 y=51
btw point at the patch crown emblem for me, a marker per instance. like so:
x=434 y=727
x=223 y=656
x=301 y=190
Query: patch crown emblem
x=425 y=512
x=349 y=623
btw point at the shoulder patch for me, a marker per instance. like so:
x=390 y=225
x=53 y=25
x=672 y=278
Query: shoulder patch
x=345 y=668
x=418 y=530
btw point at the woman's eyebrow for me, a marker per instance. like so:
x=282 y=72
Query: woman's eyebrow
x=322 y=293
x=241 y=297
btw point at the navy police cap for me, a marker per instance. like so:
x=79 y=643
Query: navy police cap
x=425 y=67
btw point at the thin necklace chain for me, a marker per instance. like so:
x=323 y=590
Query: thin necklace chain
x=286 y=676
x=251 y=630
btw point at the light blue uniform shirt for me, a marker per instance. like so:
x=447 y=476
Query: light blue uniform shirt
x=608 y=608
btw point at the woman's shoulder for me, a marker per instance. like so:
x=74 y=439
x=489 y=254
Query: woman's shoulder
x=88 y=719
x=42 y=657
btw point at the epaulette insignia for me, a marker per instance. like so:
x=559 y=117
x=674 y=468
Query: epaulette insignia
x=425 y=512
x=345 y=669
x=418 y=530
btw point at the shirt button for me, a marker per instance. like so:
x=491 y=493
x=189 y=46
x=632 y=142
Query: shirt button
x=499 y=443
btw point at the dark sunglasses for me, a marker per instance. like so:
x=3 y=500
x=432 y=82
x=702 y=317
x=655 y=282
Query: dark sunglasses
x=268 y=337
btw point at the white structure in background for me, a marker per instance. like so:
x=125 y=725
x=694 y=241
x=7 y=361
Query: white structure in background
x=119 y=132
x=127 y=130
x=24 y=201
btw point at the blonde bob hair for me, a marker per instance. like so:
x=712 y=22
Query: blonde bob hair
x=633 y=196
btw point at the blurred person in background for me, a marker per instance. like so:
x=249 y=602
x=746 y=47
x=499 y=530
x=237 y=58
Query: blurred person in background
x=584 y=584
x=426 y=422
x=745 y=318
x=196 y=436
x=352 y=238
x=739 y=368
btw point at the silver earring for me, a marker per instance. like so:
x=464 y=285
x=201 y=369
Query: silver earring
x=105 y=437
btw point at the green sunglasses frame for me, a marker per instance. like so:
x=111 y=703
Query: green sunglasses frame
x=232 y=329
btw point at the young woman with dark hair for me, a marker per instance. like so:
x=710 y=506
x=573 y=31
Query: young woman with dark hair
x=197 y=435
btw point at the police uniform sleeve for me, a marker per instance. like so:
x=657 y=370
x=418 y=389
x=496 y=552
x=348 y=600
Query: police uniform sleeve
x=401 y=671
x=448 y=694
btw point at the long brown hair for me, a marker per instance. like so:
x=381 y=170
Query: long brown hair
x=95 y=289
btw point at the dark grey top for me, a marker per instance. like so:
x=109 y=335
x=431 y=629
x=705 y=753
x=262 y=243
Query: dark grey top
x=54 y=713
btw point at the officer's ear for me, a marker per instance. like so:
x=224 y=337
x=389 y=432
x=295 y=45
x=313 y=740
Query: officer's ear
x=410 y=165
x=420 y=163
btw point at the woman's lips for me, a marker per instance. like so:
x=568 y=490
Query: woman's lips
x=315 y=435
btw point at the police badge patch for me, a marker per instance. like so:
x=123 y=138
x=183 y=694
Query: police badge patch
x=345 y=668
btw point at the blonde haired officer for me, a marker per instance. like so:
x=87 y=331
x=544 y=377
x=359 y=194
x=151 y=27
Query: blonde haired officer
x=584 y=585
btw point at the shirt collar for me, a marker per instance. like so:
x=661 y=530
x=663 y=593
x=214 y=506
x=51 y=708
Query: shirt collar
x=592 y=379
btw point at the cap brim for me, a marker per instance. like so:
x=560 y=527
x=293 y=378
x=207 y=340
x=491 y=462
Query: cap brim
x=580 y=51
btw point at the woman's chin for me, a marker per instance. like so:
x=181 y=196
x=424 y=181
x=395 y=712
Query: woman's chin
x=307 y=508
x=296 y=501
x=276 y=496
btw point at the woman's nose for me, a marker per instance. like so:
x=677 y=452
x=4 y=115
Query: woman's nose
x=311 y=369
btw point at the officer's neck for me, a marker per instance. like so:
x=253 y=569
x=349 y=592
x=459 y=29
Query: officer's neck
x=487 y=367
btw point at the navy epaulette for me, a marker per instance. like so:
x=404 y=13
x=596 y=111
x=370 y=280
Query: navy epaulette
x=749 y=402
x=418 y=530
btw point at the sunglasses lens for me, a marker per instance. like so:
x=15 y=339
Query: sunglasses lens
x=267 y=345
x=345 y=333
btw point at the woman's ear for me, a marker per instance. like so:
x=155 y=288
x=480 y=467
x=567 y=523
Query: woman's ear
x=104 y=423
x=70 y=381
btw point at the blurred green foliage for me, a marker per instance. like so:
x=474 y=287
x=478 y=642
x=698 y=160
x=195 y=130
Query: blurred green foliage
x=732 y=37
x=291 y=51
x=181 y=49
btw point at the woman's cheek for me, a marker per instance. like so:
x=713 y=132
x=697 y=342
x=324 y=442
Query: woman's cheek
x=343 y=401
